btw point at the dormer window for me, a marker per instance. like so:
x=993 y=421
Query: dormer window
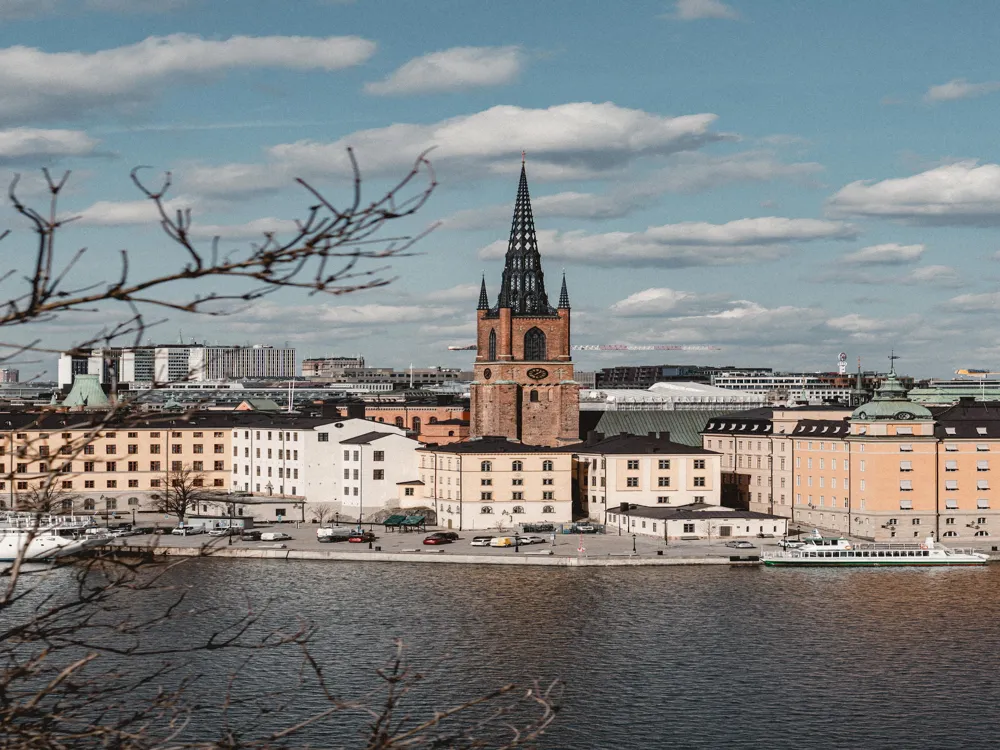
x=949 y=430
x=980 y=430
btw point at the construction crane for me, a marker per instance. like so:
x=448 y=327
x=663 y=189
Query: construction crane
x=617 y=348
x=973 y=373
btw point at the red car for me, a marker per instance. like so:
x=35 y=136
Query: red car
x=439 y=537
x=361 y=536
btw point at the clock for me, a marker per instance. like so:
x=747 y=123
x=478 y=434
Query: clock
x=487 y=373
x=537 y=373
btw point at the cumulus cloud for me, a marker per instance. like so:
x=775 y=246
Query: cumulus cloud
x=127 y=213
x=964 y=193
x=959 y=88
x=567 y=141
x=694 y=10
x=661 y=301
x=934 y=275
x=889 y=254
x=453 y=69
x=686 y=244
x=255 y=229
x=26 y=144
x=38 y=84
x=974 y=303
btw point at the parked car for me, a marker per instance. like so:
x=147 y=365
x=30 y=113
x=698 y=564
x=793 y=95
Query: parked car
x=362 y=536
x=740 y=544
x=453 y=535
x=481 y=541
x=224 y=532
x=438 y=538
x=274 y=536
x=250 y=535
x=502 y=541
x=187 y=530
x=584 y=528
x=789 y=544
x=532 y=540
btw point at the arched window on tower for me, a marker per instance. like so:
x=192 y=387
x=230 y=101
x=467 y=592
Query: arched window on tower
x=492 y=355
x=534 y=345
x=416 y=424
x=399 y=422
x=533 y=397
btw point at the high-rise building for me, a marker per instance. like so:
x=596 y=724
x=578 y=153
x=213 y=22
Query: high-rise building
x=524 y=388
x=324 y=367
x=172 y=363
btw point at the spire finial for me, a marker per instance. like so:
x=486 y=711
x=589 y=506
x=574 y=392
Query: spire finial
x=892 y=361
x=522 y=156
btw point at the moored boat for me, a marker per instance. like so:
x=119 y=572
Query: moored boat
x=841 y=552
x=33 y=537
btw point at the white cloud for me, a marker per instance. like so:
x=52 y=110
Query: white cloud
x=453 y=69
x=693 y=10
x=973 y=303
x=255 y=229
x=686 y=244
x=34 y=83
x=465 y=293
x=567 y=141
x=661 y=301
x=959 y=88
x=934 y=275
x=22 y=144
x=127 y=213
x=957 y=194
x=889 y=254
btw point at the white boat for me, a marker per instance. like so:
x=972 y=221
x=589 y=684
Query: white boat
x=840 y=552
x=33 y=537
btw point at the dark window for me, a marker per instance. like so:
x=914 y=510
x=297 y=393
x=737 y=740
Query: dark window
x=323 y=437
x=534 y=397
x=493 y=345
x=534 y=345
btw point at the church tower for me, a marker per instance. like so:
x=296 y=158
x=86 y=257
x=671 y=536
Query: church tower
x=524 y=388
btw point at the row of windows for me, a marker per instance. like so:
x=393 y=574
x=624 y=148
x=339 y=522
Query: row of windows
x=663 y=464
x=112 y=435
x=112 y=449
x=515 y=466
x=91 y=484
x=378 y=474
x=288 y=437
x=516 y=495
x=516 y=482
x=112 y=466
x=663 y=481
x=487 y=510
x=282 y=472
x=283 y=455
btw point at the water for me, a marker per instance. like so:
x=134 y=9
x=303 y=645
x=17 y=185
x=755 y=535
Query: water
x=651 y=657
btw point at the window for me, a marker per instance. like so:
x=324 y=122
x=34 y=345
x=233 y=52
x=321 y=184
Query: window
x=950 y=447
x=486 y=509
x=905 y=448
x=951 y=465
x=980 y=521
x=548 y=509
x=197 y=465
x=949 y=430
x=533 y=396
x=492 y=346
x=220 y=483
x=175 y=448
x=549 y=480
x=517 y=509
x=904 y=430
x=154 y=466
x=154 y=448
x=534 y=345
x=982 y=465
x=664 y=464
x=951 y=484
x=323 y=437
x=88 y=450
x=408 y=491
x=378 y=474
x=133 y=466
x=347 y=455
x=546 y=466
x=219 y=448
x=982 y=484
x=662 y=499
x=633 y=465
x=517 y=482
x=88 y=484
x=699 y=481
x=347 y=473
x=486 y=466
x=952 y=504
x=663 y=481
x=517 y=466
x=699 y=463
x=378 y=456
x=547 y=496
x=906 y=466
x=906 y=505
x=905 y=485
x=689 y=528
x=88 y=465
x=67 y=485
x=982 y=448
x=632 y=482
x=176 y=466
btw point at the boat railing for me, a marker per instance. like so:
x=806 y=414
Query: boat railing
x=24 y=521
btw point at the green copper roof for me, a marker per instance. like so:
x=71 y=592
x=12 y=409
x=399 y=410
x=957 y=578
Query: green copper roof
x=890 y=402
x=86 y=393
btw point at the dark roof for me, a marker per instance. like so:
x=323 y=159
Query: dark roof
x=160 y=420
x=411 y=481
x=822 y=427
x=459 y=422
x=365 y=439
x=684 y=425
x=732 y=423
x=658 y=443
x=964 y=420
x=691 y=512
x=489 y=444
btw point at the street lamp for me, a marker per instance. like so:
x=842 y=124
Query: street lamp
x=633 y=544
x=107 y=512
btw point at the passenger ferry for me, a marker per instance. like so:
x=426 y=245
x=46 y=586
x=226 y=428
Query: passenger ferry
x=37 y=538
x=837 y=551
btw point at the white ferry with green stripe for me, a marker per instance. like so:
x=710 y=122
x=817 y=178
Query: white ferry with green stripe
x=840 y=552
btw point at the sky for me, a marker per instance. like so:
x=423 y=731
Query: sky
x=782 y=180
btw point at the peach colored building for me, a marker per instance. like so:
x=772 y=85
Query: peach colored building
x=416 y=417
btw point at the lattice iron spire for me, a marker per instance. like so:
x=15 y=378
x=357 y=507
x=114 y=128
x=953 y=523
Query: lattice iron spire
x=484 y=300
x=564 y=295
x=523 y=286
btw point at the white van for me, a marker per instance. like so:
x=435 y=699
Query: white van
x=502 y=541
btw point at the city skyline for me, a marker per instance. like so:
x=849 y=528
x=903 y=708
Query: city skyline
x=772 y=180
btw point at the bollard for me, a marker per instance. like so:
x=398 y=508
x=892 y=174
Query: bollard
x=378 y=549
x=659 y=552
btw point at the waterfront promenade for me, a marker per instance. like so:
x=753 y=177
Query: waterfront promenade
x=597 y=549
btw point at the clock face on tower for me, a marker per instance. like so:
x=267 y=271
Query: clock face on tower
x=537 y=373
x=487 y=373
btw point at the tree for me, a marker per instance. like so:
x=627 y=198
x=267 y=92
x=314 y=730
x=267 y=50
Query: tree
x=75 y=669
x=182 y=491
x=321 y=512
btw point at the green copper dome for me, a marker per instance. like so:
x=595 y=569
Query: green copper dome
x=890 y=403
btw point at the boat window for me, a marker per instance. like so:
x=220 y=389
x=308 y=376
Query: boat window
x=926 y=553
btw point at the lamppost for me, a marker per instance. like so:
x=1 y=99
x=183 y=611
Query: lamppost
x=133 y=518
x=107 y=512
x=229 y=532
x=633 y=544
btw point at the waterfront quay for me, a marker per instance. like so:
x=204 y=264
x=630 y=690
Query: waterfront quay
x=569 y=550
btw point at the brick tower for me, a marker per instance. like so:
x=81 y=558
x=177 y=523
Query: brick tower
x=524 y=387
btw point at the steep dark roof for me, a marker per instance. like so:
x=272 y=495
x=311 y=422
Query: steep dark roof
x=734 y=424
x=658 y=443
x=488 y=444
x=564 y=295
x=967 y=419
x=484 y=300
x=522 y=286
x=368 y=437
x=822 y=428
x=684 y=513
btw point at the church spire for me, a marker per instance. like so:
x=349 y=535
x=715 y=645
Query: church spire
x=484 y=300
x=523 y=285
x=564 y=295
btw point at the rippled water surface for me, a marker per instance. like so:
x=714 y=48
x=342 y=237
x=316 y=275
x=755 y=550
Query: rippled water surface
x=657 y=657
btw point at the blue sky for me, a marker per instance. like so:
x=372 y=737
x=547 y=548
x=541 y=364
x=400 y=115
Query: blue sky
x=782 y=180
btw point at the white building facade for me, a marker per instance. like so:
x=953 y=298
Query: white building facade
x=374 y=464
